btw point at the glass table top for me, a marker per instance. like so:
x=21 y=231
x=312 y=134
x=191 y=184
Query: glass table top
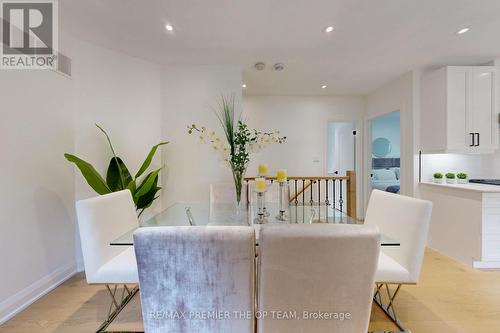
x=203 y=213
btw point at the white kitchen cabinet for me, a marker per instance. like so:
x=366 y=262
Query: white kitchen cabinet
x=459 y=110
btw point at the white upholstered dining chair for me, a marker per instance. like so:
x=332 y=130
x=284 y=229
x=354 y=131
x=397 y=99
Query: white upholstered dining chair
x=406 y=220
x=196 y=270
x=226 y=193
x=315 y=268
x=101 y=220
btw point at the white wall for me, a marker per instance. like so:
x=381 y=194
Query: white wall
x=304 y=121
x=122 y=94
x=37 y=225
x=398 y=95
x=187 y=95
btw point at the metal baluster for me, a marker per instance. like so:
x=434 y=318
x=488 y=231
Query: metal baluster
x=312 y=186
x=319 y=208
x=319 y=192
x=341 y=201
x=326 y=213
x=334 y=195
x=327 y=203
x=296 y=196
x=303 y=192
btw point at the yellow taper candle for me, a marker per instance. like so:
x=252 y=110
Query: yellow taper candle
x=263 y=170
x=281 y=175
x=260 y=184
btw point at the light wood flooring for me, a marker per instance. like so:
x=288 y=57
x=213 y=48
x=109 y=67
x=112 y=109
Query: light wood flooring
x=450 y=298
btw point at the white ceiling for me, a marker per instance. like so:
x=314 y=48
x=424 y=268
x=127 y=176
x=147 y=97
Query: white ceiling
x=374 y=40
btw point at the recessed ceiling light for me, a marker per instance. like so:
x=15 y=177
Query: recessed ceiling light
x=323 y=86
x=243 y=85
x=279 y=67
x=329 y=29
x=462 y=31
x=169 y=27
x=260 y=66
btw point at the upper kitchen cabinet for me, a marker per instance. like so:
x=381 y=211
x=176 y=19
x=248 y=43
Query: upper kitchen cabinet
x=459 y=111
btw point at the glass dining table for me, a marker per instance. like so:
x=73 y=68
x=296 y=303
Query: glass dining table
x=206 y=214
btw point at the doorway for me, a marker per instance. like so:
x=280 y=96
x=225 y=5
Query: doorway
x=385 y=138
x=341 y=153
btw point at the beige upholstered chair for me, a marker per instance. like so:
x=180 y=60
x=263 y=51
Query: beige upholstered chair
x=101 y=220
x=406 y=220
x=196 y=270
x=315 y=268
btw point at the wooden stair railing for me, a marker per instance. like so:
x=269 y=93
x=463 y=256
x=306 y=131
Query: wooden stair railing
x=338 y=191
x=302 y=190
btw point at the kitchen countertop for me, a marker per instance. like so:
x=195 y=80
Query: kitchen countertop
x=470 y=186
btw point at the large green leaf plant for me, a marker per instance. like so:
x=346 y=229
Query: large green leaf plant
x=144 y=188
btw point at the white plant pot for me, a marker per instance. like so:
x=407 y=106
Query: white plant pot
x=462 y=181
x=450 y=181
x=438 y=180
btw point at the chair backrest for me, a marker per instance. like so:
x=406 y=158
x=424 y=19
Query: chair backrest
x=406 y=220
x=226 y=193
x=196 y=270
x=317 y=268
x=101 y=220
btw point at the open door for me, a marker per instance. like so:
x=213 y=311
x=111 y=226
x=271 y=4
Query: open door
x=340 y=152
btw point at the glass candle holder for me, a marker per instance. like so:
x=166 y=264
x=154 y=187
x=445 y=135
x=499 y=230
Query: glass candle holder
x=266 y=213
x=282 y=209
x=261 y=199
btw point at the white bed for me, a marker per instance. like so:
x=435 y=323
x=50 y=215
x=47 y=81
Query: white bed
x=386 y=179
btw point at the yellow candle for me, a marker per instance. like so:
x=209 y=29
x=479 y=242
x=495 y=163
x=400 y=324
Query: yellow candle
x=262 y=170
x=281 y=175
x=260 y=184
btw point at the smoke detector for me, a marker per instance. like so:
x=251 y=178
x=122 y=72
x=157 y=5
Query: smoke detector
x=260 y=66
x=279 y=67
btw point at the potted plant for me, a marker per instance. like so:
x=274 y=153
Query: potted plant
x=143 y=186
x=450 y=178
x=438 y=177
x=462 y=178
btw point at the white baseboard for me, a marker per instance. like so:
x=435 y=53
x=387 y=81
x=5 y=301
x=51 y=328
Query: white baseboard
x=486 y=264
x=21 y=300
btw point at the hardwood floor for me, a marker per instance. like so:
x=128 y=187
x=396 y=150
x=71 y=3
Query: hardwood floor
x=450 y=298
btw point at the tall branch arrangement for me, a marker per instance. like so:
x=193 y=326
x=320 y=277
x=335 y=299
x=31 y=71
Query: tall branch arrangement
x=238 y=143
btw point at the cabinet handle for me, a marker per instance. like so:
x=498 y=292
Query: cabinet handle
x=473 y=140
x=477 y=144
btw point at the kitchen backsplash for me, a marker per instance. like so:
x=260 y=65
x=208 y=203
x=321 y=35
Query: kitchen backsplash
x=475 y=166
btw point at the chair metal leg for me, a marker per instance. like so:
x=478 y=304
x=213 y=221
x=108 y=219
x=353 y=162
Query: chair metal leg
x=117 y=303
x=389 y=307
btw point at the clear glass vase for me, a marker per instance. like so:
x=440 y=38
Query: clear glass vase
x=238 y=177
